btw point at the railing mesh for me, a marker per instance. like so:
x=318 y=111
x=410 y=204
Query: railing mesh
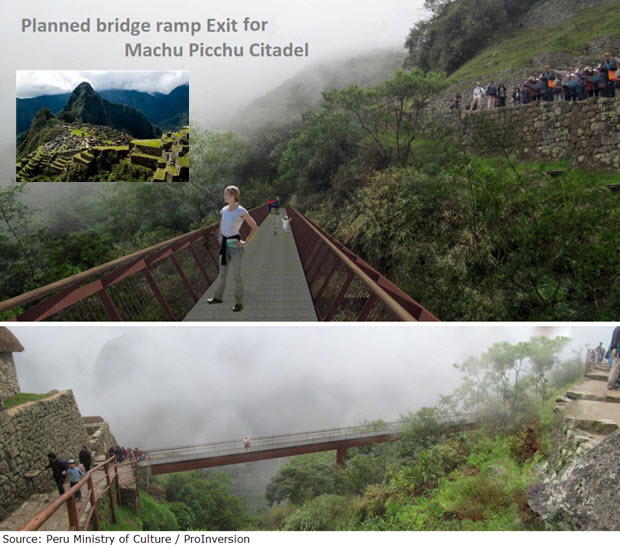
x=161 y=283
x=343 y=286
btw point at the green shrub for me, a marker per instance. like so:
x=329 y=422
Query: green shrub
x=326 y=513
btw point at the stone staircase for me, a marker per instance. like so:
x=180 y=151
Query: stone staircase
x=59 y=521
x=591 y=412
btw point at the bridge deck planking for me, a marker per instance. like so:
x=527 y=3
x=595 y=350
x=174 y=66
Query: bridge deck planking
x=274 y=283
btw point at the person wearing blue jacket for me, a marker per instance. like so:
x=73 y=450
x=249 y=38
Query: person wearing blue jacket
x=596 y=83
x=573 y=87
x=75 y=474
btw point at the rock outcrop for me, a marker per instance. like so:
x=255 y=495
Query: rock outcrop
x=584 y=495
x=86 y=106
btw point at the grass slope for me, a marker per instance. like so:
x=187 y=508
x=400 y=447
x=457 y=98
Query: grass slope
x=24 y=397
x=517 y=51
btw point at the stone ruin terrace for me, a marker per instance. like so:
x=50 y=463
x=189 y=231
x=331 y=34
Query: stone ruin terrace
x=167 y=158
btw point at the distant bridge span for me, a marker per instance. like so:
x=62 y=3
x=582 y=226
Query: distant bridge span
x=195 y=457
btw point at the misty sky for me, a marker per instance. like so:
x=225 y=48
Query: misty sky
x=49 y=82
x=172 y=385
x=334 y=29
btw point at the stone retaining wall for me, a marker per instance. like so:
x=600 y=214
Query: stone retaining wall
x=27 y=433
x=587 y=133
x=9 y=385
x=100 y=437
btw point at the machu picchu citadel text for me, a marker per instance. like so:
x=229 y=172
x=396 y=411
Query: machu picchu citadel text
x=195 y=49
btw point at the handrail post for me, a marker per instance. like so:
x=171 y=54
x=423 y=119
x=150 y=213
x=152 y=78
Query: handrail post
x=117 y=481
x=93 y=504
x=74 y=524
x=106 y=469
x=135 y=465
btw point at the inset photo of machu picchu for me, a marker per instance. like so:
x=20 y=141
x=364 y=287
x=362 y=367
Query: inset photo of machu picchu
x=102 y=126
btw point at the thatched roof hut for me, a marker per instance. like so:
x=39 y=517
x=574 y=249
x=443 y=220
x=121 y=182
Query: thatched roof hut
x=9 y=342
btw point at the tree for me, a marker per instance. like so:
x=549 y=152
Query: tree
x=314 y=153
x=458 y=30
x=16 y=217
x=396 y=104
x=207 y=500
x=305 y=477
x=497 y=381
x=216 y=160
x=422 y=430
x=543 y=354
x=143 y=214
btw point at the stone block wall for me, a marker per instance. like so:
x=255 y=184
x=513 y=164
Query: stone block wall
x=100 y=437
x=587 y=132
x=27 y=433
x=9 y=385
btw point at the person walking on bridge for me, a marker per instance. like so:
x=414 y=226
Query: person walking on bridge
x=285 y=223
x=274 y=205
x=246 y=442
x=231 y=246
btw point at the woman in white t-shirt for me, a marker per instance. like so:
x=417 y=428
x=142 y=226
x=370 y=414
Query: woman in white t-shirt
x=231 y=246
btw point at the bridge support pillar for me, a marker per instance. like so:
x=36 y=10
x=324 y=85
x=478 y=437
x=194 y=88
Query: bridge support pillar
x=341 y=457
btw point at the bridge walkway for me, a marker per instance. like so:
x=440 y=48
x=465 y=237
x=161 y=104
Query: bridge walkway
x=274 y=282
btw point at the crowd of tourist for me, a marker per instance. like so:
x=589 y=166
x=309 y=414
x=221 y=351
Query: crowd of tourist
x=63 y=468
x=123 y=454
x=551 y=85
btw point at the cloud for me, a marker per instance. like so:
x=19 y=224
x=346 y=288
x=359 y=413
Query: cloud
x=50 y=82
x=167 y=386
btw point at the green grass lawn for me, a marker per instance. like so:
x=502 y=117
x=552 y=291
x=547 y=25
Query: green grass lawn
x=23 y=397
x=111 y=147
x=79 y=132
x=143 y=155
x=516 y=51
x=156 y=143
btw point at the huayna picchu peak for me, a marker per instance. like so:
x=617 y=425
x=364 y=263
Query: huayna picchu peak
x=92 y=139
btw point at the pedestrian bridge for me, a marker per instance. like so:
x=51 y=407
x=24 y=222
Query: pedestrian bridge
x=303 y=274
x=193 y=457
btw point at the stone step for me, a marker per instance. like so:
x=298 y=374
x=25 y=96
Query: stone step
x=599 y=426
x=612 y=396
x=597 y=376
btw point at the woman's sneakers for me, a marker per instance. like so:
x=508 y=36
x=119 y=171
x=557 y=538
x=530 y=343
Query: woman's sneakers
x=236 y=308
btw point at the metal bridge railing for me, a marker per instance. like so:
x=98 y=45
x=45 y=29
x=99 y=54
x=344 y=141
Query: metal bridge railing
x=343 y=286
x=233 y=447
x=113 y=474
x=162 y=282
